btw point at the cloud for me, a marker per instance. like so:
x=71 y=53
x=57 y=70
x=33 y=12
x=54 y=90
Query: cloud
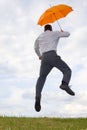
x=16 y=40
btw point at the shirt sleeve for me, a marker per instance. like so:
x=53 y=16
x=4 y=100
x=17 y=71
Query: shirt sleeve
x=36 y=47
x=62 y=34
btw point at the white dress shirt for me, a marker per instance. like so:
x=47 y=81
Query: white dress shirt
x=48 y=41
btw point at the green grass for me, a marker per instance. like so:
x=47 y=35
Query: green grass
x=22 y=123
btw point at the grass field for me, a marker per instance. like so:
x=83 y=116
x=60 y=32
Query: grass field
x=22 y=123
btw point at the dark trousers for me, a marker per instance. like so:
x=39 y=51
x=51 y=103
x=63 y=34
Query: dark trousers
x=49 y=60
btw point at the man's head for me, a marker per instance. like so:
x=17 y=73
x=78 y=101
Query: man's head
x=47 y=27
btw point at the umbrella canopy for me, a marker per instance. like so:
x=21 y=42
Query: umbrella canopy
x=54 y=13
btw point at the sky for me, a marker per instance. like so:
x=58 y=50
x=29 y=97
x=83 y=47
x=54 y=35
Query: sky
x=19 y=65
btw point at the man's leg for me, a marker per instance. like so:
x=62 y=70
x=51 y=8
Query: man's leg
x=64 y=68
x=44 y=71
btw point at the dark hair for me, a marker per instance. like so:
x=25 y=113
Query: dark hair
x=47 y=27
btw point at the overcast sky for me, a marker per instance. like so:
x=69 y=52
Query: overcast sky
x=19 y=65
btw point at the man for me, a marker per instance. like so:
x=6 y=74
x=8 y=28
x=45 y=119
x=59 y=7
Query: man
x=45 y=48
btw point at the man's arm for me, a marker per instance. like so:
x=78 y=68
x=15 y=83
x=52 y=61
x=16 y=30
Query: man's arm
x=61 y=34
x=64 y=34
x=36 y=47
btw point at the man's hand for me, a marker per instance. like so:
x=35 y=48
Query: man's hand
x=40 y=57
x=62 y=30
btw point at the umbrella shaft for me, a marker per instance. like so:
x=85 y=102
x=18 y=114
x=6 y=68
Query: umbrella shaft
x=56 y=19
x=59 y=25
x=57 y=22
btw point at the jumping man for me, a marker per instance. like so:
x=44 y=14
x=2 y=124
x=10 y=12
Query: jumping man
x=46 y=49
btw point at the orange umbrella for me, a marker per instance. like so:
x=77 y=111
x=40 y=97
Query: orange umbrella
x=54 y=13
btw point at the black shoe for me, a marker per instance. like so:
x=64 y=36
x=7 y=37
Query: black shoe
x=37 y=104
x=67 y=89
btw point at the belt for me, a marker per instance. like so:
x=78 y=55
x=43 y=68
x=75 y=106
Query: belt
x=49 y=51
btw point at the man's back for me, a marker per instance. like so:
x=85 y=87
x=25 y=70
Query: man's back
x=48 y=40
